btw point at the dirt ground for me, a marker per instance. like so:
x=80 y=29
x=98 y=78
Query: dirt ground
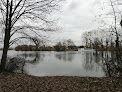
x=13 y=82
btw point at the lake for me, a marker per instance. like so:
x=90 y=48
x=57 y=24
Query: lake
x=70 y=63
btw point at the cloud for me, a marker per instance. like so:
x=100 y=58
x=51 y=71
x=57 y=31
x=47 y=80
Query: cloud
x=76 y=18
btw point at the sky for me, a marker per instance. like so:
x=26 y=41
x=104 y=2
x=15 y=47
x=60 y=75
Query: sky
x=77 y=16
x=74 y=18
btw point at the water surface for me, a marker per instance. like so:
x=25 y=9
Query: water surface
x=71 y=63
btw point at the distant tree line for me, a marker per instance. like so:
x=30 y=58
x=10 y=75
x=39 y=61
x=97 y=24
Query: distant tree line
x=101 y=39
x=25 y=48
x=65 y=45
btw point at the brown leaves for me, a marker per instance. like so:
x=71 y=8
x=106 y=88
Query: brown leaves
x=25 y=83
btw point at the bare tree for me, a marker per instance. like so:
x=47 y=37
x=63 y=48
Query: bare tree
x=24 y=16
x=115 y=24
x=115 y=13
x=85 y=38
x=37 y=42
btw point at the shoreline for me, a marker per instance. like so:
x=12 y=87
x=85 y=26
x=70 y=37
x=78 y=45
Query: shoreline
x=18 y=82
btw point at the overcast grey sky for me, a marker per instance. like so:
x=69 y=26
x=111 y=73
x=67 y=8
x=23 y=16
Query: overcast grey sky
x=76 y=17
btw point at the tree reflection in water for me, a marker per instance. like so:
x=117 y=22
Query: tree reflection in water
x=90 y=61
x=16 y=64
x=65 y=56
x=108 y=61
x=112 y=63
x=32 y=57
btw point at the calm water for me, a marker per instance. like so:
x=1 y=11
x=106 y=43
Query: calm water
x=72 y=63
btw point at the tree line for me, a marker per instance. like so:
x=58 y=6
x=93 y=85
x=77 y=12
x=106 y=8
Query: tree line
x=101 y=39
x=65 y=45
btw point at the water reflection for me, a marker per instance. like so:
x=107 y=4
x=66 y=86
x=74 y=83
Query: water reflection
x=65 y=56
x=112 y=63
x=17 y=63
x=33 y=57
x=98 y=64
x=109 y=61
x=97 y=56
x=92 y=61
x=88 y=61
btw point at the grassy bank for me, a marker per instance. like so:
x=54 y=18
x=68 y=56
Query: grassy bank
x=10 y=82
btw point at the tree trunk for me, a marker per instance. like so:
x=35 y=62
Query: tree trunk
x=6 y=39
x=117 y=42
x=7 y=34
x=5 y=50
x=121 y=23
